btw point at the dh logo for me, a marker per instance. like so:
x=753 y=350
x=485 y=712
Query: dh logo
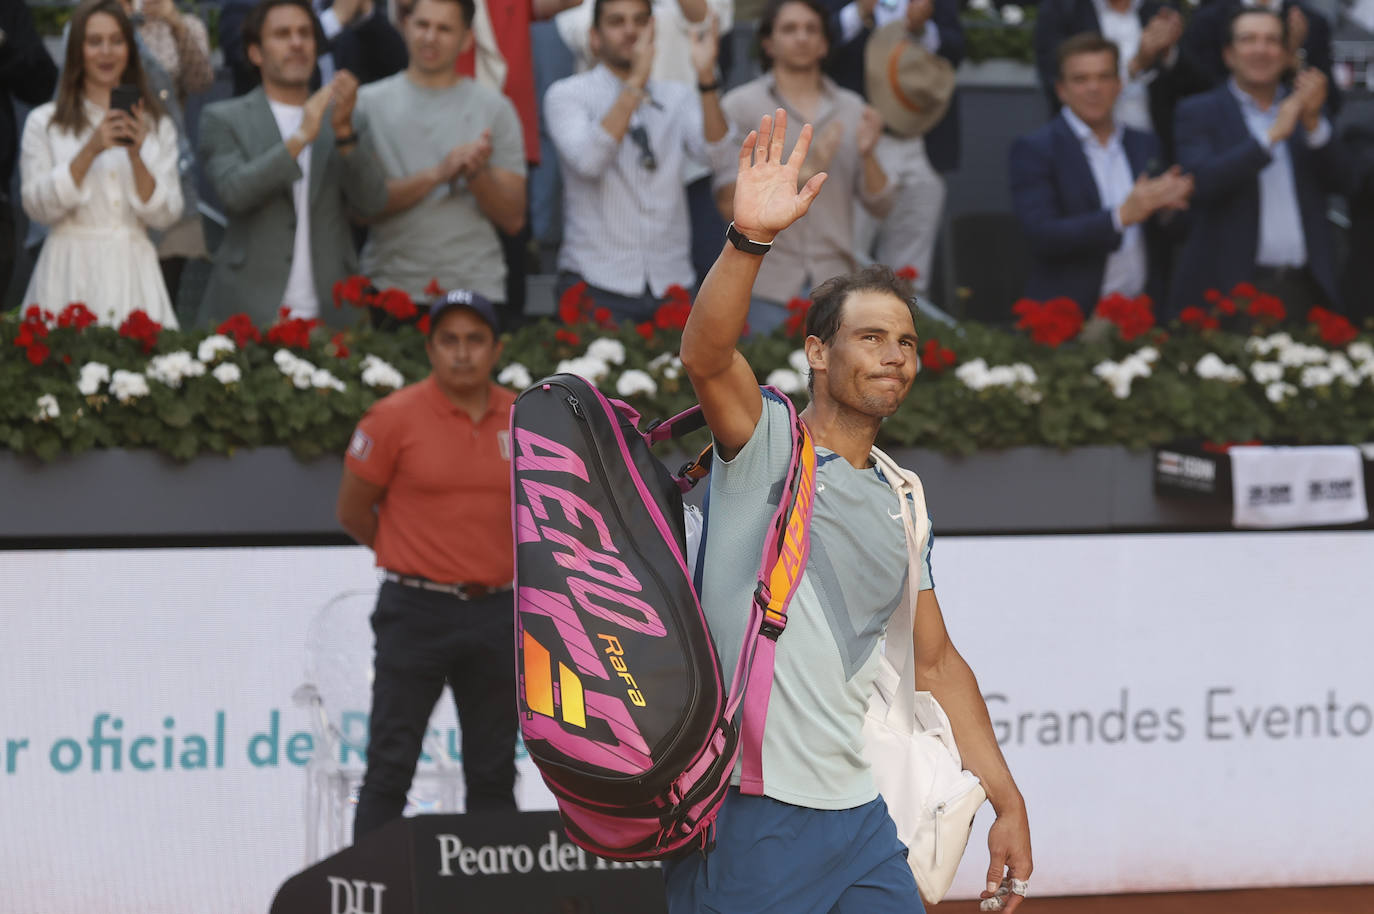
x=352 y=896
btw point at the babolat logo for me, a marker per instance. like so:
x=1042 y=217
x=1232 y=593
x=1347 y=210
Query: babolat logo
x=354 y=896
x=1172 y=464
x=1280 y=494
x=1331 y=490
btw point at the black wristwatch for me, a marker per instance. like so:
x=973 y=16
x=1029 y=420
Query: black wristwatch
x=343 y=142
x=712 y=86
x=741 y=243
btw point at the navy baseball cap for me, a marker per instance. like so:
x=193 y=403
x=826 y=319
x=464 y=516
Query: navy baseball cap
x=464 y=298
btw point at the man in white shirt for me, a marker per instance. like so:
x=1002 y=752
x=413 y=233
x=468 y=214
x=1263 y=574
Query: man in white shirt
x=622 y=141
x=1080 y=187
x=454 y=158
x=291 y=171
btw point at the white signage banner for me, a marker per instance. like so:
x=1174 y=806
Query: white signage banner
x=1180 y=712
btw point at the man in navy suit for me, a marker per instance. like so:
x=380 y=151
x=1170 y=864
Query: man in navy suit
x=1264 y=159
x=1146 y=35
x=1081 y=188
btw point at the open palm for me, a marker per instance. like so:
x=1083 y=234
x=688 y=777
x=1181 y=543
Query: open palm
x=766 y=196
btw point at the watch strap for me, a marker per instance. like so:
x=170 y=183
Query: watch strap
x=741 y=243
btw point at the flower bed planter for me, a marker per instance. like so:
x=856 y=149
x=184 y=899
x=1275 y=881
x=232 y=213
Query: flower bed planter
x=266 y=495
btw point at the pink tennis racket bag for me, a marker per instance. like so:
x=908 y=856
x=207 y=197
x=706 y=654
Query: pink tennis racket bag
x=622 y=706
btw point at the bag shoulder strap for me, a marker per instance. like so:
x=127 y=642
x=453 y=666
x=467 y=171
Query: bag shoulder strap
x=899 y=646
x=786 y=548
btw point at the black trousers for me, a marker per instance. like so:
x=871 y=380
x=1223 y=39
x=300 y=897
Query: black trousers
x=424 y=640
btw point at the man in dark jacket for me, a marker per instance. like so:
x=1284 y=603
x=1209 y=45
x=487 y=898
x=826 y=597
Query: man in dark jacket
x=1264 y=159
x=27 y=75
x=1093 y=219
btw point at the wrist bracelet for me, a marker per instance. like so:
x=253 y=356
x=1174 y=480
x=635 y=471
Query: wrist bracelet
x=743 y=243
x=345 y=141
x=708 y=87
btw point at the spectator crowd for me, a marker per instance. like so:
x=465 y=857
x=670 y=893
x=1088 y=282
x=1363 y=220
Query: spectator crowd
x=1187 y=150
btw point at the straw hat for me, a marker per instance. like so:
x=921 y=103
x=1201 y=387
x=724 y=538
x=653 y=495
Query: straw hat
x=910 y=86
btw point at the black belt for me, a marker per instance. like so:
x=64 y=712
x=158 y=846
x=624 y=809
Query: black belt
x=463 y=590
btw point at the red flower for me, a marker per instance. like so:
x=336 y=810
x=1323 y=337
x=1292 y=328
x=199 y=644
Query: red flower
x=574 y=303
x=37 y=314
x=935 y=357
x=602 y=316
x=1195 y=317
x=354 y=290
x=909 y=273
x=1244 y=290
x=678 y=295
x=240 y=327
x=1334 y=328
x=36 y=352
x=673 y=313
x=139 y=326
x=1132 y=316
x=76 y=315
x=66 y=360
x=340 y=348
x=1052 y=323
x=795 y=324
x=646 y=330
x=1212 y=296
x=567 y=336
x=292 y=332
x=1266 y=307
x=1226 y=307
x=434 y=290
x=397 y=303
x=423 y=324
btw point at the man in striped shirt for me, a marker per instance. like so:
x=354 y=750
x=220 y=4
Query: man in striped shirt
x=622 y=139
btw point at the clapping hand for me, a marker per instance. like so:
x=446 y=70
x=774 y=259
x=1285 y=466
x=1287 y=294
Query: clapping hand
x=870 y=128
x=1162 y=33
x=1297 y=29
x=766 y=196
x=705 y=46
x=1168 y=192
x=344 y=94
x=1311 y=87
x=466 y=159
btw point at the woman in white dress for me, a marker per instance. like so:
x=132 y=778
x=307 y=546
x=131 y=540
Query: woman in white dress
x=100 y=177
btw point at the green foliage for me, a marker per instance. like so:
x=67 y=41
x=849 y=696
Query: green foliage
x=988 y=37
x=1066 y=406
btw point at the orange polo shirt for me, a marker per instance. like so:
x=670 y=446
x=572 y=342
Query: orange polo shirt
x=446 y=514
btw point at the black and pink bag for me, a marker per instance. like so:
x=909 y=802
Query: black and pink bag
x=622 y=706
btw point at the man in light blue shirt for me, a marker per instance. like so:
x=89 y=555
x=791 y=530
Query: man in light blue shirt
x=1264 y=161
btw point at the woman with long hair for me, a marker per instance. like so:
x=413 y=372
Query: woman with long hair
x=99 y=176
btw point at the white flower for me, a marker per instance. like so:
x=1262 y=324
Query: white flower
x=1024 y=373
x=380 y=373
x=1119 y=375
x=1296 y=355
x=515 y=375
x=47 y=408
x=321 y=378
x=799 y=362
x=286 y=360
x=973 y=374
x=1257 y=346
x=1279 y=391
x=981 y=6
x=1148 y=353
x=172 y=368
x=1279 y=340
x=1211 y=367
x=93 y=374
x=1316 y=376
x=227 y=373
x=634 y=382
x=1266 y=372
x=585 y=366
x=212 y=346
x=607 y=350
x=1361 y=351
x=785 y=380
x=668 y=365
x=128 y=385
x=1013 y=14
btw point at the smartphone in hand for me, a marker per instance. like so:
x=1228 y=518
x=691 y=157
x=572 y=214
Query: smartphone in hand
x=124 y=98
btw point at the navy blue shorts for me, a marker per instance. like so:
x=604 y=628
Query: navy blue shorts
x=773 y=856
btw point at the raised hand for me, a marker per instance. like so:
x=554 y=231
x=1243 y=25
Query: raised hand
x=705 y=47
x=313 y=114
x=870 y=128
x=1311 y=86
x=642 y=58
x=344 y=93
x=1297 y=29
x=918 y=13
x=766 y=196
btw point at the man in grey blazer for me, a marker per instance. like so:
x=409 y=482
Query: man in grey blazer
x=291 y=172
